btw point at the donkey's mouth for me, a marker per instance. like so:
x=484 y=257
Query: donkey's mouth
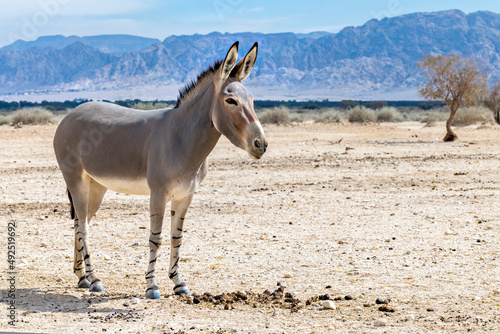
x=255 y=156
x=257 y=152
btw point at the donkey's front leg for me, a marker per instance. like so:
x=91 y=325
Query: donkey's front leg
x=179 y=210
x=157 y=205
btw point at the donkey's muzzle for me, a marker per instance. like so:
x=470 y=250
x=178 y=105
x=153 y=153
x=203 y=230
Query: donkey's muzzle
x=256 y=142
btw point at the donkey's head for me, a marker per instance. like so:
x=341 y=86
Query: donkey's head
x=233 y=114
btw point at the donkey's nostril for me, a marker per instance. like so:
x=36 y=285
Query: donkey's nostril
x=260 y=144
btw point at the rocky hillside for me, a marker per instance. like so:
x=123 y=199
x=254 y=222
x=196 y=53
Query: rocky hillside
x=378 y=58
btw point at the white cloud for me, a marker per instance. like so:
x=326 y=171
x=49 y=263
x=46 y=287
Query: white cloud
x=15 y=10
x=92 y=8
x=30 y=19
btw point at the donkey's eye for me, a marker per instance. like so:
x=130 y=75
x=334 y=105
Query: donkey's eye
x=232 y=101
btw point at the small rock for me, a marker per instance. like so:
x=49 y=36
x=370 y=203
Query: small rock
x=328 y=305
x=135 y=244
x=496 y=292
x=43 y=244
x=324 y=297
x=107 y=257
x=430 y=309
x=60 y=279
x=489 y=227
x=381 y=301
x=86 y=293
x=449 y=233
x=328 y=287
x=380 y=323
x=410 y=317
x=348 y=297
x=214 y=235
x=135 y=300
x=287 y=276
x=386 y=308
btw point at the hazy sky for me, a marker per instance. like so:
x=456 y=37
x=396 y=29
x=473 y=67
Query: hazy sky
x=29 y=19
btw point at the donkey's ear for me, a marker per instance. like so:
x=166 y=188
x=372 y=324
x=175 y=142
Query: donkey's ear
x=245 y=66
x=228 y=63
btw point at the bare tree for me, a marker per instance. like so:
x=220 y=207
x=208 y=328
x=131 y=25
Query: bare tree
x=453 y=79
x=492 y=101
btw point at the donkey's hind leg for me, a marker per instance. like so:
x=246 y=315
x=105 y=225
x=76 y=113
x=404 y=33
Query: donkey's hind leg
x=80 y=190
x=96 y=194
x=178 y=213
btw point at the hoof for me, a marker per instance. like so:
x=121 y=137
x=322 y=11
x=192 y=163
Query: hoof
x=84 y=283
x=153 y=294
x=96 y=287
x=181 y=290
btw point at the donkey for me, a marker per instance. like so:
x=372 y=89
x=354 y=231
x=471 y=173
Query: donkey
x=161 y=153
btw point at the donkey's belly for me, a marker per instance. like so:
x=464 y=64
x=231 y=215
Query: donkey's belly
x=132 y=187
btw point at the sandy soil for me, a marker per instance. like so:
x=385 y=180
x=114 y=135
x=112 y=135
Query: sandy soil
x=379 y=211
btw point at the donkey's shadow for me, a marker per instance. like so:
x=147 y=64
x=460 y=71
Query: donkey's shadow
x=56 y=301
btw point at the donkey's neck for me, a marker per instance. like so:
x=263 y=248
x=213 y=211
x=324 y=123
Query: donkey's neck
x=193 y=123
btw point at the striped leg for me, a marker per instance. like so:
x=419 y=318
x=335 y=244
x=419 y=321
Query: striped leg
x=95 y=283
x=80 y=191
x=179 y=210
x=157 y=204
x=95 y=199
x=78 y=266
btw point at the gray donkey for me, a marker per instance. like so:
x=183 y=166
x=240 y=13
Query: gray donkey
x=161 y=153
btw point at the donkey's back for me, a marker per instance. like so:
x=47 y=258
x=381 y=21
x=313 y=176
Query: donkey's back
x=108 y=142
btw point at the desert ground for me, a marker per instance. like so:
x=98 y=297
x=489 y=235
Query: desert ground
x=382 y=211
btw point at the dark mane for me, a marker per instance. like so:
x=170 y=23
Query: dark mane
x=193 y=87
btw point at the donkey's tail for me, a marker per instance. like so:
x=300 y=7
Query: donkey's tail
x=72 y=207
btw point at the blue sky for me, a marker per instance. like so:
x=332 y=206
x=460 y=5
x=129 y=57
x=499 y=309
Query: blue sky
x=29 y=19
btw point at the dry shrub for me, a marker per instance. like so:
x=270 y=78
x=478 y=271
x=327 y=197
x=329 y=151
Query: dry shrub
x=430 y=118
x=473 y=115
x=278 y=115
x=361 y=115
x=331 y=116
x=389 y=115
x=31 y=116
x=4 y=119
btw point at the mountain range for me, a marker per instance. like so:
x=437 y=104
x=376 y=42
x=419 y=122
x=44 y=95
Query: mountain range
x=375 y=60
